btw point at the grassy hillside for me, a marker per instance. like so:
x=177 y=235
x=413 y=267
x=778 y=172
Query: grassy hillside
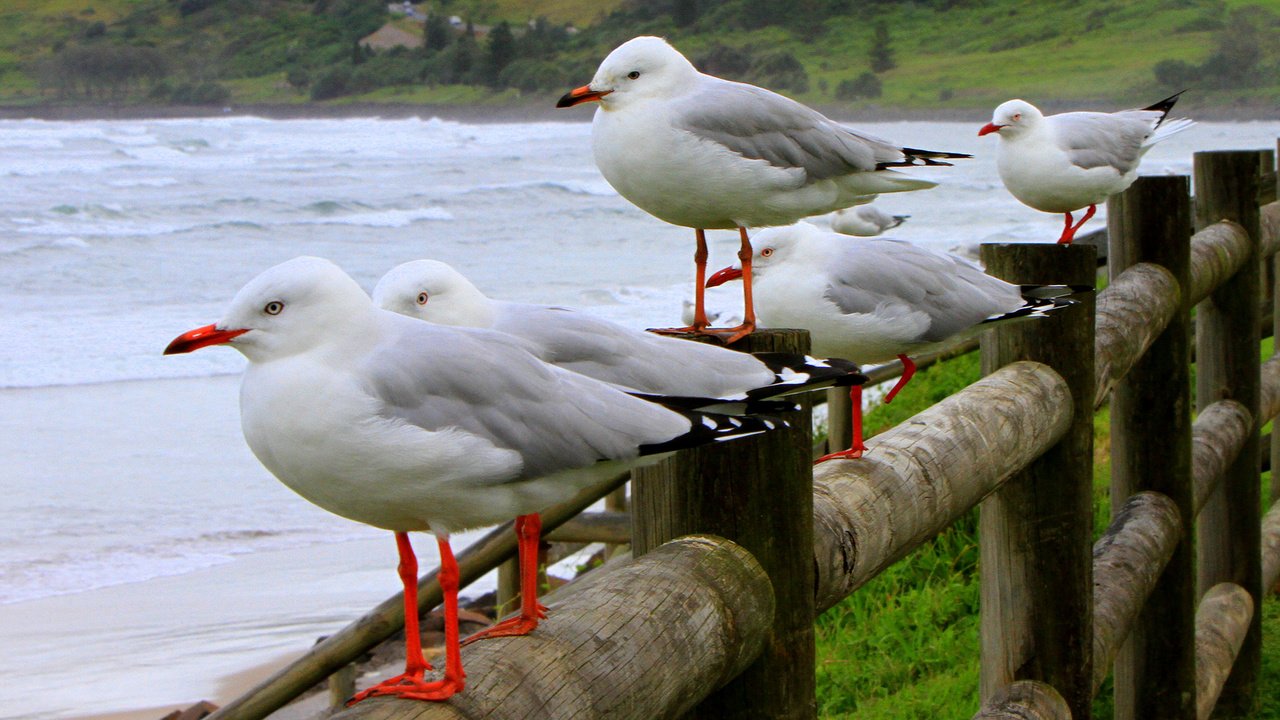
x=952 y=55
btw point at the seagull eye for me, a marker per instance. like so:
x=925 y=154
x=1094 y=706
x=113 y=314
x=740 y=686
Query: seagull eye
x=273 y=308
x=422 y=298
x=766 y=252
x=1017 y=117
x=634 y=74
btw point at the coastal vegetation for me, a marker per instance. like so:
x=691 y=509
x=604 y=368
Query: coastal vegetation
x=951 y=54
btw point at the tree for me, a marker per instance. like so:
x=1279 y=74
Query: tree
x=501 y=51
x=881 y=54
x=464 y=56
x=866 y=85
x=684 y=12
x=436 y=33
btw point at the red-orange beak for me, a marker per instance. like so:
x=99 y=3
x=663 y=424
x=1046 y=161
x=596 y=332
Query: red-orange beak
x=581 y=95
x=201 y=337
x=989 y=128
x=721 y=277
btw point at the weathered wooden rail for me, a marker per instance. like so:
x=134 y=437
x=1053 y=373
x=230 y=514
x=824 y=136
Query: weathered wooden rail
x=654 y=636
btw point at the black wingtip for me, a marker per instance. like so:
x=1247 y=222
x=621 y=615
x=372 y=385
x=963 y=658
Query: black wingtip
x=918 y=157
x=1164 y=106
x=707 y=428
x=796 y=373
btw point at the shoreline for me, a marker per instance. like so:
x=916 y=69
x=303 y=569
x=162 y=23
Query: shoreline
x=541 y=109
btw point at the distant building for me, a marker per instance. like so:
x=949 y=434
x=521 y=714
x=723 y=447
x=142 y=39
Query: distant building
x=407 y=9
x=390 y=36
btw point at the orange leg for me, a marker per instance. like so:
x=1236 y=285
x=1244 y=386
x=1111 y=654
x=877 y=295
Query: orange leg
x=410 y=684
x=856 y=448
x=1069 y=231
x=700 y=323
x=908 y=372
x=528 y=532
x=748 y=305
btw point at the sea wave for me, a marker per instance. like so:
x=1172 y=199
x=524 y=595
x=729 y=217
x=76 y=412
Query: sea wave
x=379 y=218
x=88 y=568
x=596 y=188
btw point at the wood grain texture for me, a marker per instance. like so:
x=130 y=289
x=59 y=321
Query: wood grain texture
x=1148 y=223
x=1218 y=434
x=1227 y=367
x=1271 y=547
x=1217 y=251
x=918 y=477
x=645 y=639
x=1128 y=560
x=1269 y=391
x=1036 y=531
x=757 y=492
x=1025 y=700
x=1269 y=218
x=1133 y=310
x=1222 y=623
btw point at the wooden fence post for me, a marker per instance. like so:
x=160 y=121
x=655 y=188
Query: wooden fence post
x=1227 y=337
x=757 y=492
x=1155 y=671
x=1275 y=331
x=1036 y=531
x=839 y=419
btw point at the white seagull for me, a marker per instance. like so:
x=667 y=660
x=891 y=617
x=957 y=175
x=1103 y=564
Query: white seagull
x=871 y=300
x=630 y=359
x=1066 y=162
x=702 y=152
x=409 y=426
x=864 y=221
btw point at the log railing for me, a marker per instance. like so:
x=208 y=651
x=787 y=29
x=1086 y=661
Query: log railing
x=653 y=636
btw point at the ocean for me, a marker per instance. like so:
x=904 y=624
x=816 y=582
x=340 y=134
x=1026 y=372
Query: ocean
x=127 y=488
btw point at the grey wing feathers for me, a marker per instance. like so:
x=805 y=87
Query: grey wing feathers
x=763 y=125
x=475 y=380
x=1104 y=139
x=884 y=274
x=631 y=358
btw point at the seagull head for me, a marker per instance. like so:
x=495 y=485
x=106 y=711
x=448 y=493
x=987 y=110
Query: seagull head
x=290 y=308
x=1012 y=118
x=642 y=67
x=433 y=291
x=770 y=248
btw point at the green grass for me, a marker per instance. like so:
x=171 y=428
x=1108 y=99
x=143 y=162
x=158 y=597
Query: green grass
x=970 y=56
x=906 y=644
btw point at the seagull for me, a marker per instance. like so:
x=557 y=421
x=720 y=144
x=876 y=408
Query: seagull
x=631 y=359
x=1066 y=162
x=702 y=152
x=864 y=221
x=871 y=300
x=409 y=426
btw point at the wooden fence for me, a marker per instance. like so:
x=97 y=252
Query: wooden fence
x=717 y=622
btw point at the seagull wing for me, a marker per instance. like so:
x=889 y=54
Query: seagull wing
x=762 y=125
x=631 y=358
x=1093 y=139
x=479 y=382
x=936 y=294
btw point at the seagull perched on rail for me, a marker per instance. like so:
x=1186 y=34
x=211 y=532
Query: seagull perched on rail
x=702 y=152
x=871 y=300
x=409 y=426
x=630 y=359
x=625 y=357
x=1066 y=162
